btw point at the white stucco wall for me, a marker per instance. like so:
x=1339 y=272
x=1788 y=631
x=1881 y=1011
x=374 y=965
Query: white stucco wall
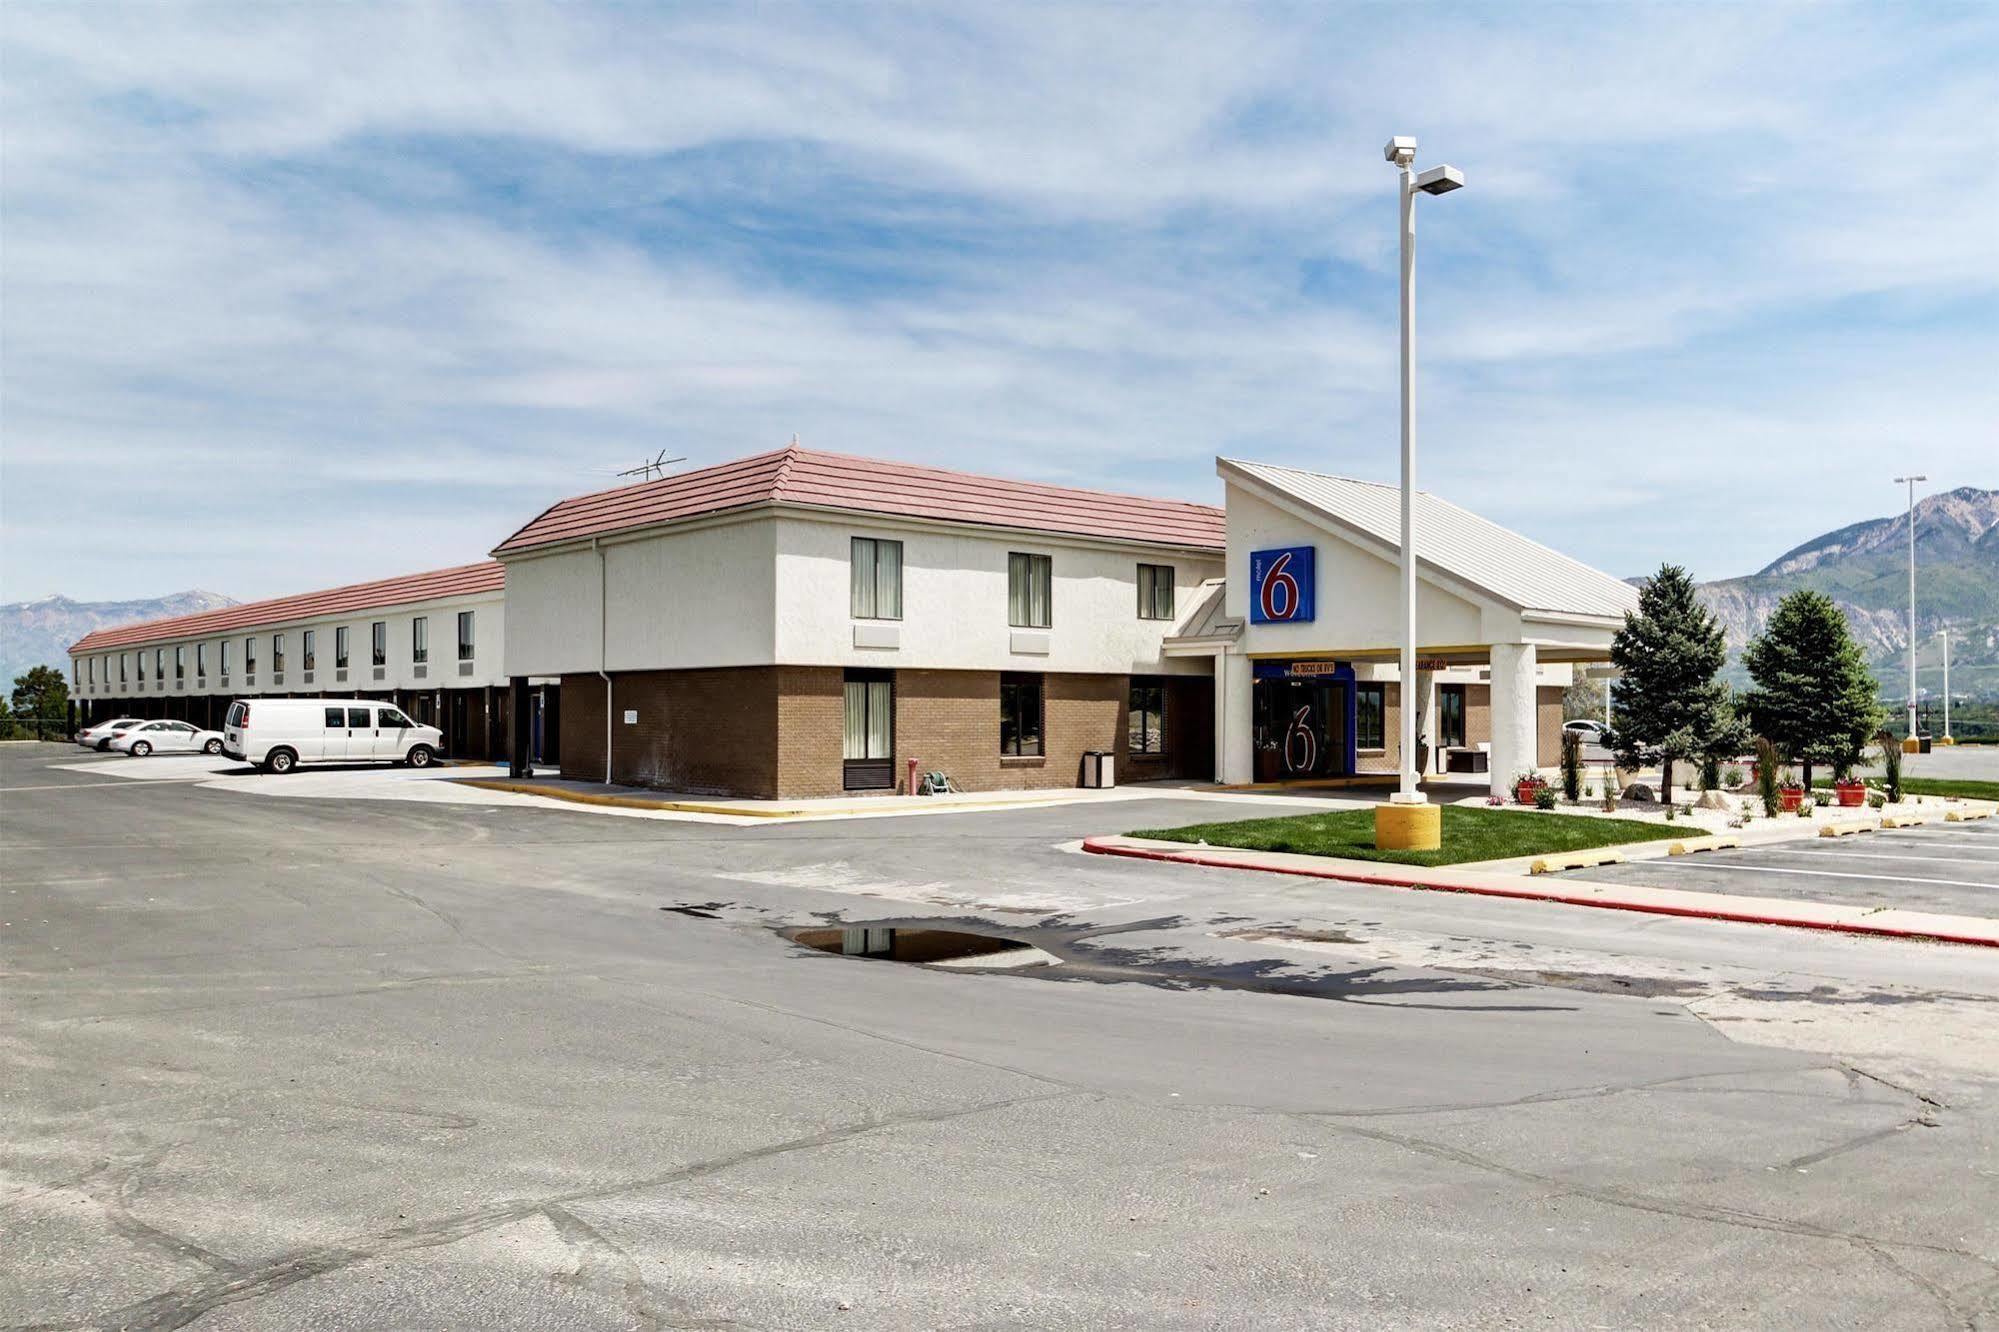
x=688 y=597
x=1358 y=603
x=488 y=664
x=954 y=611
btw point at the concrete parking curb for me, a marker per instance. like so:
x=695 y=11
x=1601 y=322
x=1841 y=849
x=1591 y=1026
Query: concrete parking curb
x=1691 y=845
x=1887 y=923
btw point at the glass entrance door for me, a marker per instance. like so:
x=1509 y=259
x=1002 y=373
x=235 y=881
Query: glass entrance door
x=1300 y=729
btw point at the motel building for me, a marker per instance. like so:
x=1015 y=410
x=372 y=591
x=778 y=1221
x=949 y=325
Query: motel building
x=427 y=642
x=802 y=624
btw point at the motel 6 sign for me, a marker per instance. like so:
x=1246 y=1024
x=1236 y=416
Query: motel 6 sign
x=1280 y=584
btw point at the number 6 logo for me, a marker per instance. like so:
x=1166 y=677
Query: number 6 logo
x=1279 y=592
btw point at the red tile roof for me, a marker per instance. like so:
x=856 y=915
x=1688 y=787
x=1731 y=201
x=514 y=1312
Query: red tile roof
x=865 y=485
x=462 y=580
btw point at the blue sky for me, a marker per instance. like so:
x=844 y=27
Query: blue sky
x=334 y=292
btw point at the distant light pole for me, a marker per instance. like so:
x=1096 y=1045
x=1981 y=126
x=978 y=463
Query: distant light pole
x=1404 y=827
x=1944 y=634
x=1910 y=481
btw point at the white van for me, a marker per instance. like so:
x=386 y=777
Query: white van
x=278 y=734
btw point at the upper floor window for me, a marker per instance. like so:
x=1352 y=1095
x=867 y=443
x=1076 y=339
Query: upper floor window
x=142 y=667
x=420 y=638
x=201 y=661
x=277 y=652
x=379 y=647
x=876 y=579
x=249 y=655
x=340 y=647
x=124 y=664
x=1155 y=591
x=1028 y=587
x=222 y=655
x=464 y=635
x=308 y=645
x=160 y=663
x=180 y=661
x=1145 y=723
x=90 y=670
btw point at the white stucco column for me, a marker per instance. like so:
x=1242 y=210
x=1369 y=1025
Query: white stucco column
x=1426 y=721
x=1514 y=730
x=1234 y=718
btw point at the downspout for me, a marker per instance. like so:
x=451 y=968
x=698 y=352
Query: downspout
x=603 y=630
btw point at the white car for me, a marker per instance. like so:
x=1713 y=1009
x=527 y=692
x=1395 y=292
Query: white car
x=100 y=736
x=167 y=737
x=1588 y=728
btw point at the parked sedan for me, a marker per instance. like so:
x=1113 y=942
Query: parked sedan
x=1589 y=729
x=167 y=737
x=100 y=736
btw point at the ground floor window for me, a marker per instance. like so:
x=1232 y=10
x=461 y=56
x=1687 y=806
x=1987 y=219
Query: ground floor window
x=1145 y=722
x=868 y=745
x=1450 y=716
x=1370 y=716
x=1020 y=714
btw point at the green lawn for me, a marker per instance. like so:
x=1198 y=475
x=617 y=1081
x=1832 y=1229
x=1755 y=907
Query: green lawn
x=1938 y=786
x=1470 y=832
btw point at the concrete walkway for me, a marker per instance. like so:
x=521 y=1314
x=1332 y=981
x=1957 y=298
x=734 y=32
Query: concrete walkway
x=1888 y=923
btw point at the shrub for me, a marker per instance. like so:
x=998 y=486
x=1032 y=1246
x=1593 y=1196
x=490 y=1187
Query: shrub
x=1733 y=778
x=1891 y=765
x=1766 y=776
x=1572 y=766
x=1875 y=800
x=1544 y=797
x=1821 y=798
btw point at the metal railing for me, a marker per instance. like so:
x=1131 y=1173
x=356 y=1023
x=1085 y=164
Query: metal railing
x=35 y=728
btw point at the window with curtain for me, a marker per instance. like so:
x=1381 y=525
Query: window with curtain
x=1370 y=714
x=1145 y=721
x=870 y=716
x=222 y=655
x=1450 y=716
x=875 y=579
x=1155 y=591
x=308 y=649
x=1020 y=714
x=124 y=664
x=340 y=647
x=277 y=652
x=180 y=662
x=201 y=661
x=465 y=635
x=379 y=632
x=159 y=663
x=420 y=638
x=1028 y=587
x=142 y=667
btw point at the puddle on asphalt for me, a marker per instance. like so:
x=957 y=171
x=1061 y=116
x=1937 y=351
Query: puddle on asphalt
x=894 y=943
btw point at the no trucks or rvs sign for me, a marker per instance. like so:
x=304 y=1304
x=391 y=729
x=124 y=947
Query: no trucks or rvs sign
x=1280 y=583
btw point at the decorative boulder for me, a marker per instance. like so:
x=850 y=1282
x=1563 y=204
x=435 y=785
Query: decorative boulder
x=1641 y=794
x=1720 y=800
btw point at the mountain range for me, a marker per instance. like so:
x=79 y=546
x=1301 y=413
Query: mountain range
x=38 y=633
x=1865 y=569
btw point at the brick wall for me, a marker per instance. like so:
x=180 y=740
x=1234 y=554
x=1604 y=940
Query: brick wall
x=1389 y=757
x=706 y=731
x=1547 y=726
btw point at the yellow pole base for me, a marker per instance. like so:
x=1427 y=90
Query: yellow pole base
x=1912 y=746
x=1408 y=827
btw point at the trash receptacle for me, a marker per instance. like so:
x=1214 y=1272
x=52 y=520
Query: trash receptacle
x=1099 y=769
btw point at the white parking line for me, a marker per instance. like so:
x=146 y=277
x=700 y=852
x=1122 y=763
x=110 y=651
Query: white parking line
x=1732 y=867
x=1986 y=861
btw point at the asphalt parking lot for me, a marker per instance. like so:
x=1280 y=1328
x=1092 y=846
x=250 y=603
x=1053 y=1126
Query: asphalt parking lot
x=1946 y=867
x=307 y=1052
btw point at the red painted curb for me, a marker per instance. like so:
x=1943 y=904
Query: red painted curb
x=1096 y=846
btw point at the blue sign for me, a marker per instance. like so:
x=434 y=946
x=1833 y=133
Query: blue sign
x=1280 y=585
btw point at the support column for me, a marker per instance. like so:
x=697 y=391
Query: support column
x=1235 y=718
x=1515 y=729
x=518 y=747
x=1426 y=734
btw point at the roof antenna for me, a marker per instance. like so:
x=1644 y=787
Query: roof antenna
x=794 y=439
x=653 y=467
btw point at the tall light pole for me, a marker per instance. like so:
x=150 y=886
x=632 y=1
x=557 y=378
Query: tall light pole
x=1408 y=822
x=1944 y=634
x=1910 y=481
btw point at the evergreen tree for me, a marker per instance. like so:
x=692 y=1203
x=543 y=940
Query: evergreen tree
x=41 y=692
x=1669 y=705
x=1814 y=696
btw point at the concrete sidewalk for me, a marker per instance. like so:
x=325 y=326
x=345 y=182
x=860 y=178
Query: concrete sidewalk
x=1883 y=922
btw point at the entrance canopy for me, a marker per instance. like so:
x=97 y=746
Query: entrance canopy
x=1313 y=594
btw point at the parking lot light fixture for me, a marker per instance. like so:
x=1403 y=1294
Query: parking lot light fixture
x=1910 y=481
x=1401 y=819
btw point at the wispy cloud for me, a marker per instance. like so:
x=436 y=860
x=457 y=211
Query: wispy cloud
x=429 y=267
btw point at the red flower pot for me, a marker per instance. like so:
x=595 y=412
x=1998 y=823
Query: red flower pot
x=1790 y=797
x=1523 y=792
x=1851 y=795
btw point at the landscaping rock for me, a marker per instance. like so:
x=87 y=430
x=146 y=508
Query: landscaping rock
x=1640 y=793
x=1716 y=800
